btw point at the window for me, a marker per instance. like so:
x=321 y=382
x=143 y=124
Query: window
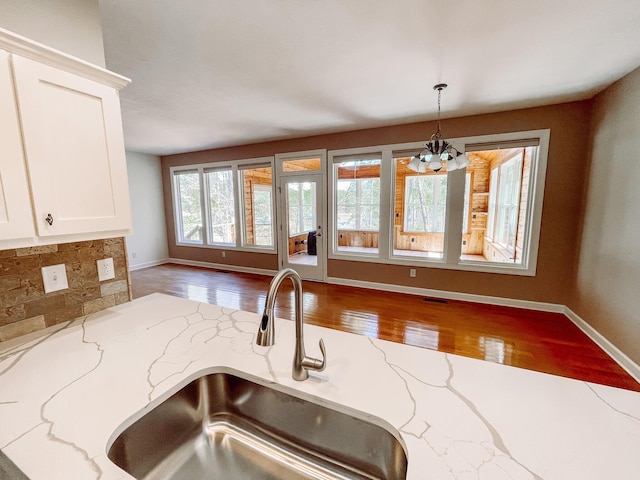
x=357 y=203
x=188 y=207
x=256 y=185
x=425 y=203
x=301 y=202
x=220 y=197
x=420 y=211
x=467 y=195
x=500 y=216
x=262 y=223
x=482 y=218
x=302 y=165
x=507 y=207
x=493 y=193
x=226 y=204
x=508 y=197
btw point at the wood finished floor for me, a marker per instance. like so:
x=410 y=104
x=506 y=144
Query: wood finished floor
x=540 y=341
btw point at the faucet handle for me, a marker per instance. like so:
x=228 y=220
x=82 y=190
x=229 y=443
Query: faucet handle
x=323 y=364
x=309 y=363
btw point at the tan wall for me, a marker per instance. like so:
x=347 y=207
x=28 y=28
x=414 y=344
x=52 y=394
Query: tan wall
x=232 y=257
x=564 y=186
x=607 y=293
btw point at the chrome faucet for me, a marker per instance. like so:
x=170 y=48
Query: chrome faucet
x=266 y=331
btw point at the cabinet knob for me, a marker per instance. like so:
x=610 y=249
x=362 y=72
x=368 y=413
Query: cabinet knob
x=49 y=219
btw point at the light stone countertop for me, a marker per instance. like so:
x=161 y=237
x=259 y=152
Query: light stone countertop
x=65 y=391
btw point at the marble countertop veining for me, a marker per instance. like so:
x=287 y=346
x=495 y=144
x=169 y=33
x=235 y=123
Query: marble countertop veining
x=65 y=391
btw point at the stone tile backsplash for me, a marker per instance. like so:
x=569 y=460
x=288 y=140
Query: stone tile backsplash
x=25 y=308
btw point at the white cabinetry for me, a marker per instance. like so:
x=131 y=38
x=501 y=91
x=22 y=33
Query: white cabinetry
x=16 y=219
x=62 y=122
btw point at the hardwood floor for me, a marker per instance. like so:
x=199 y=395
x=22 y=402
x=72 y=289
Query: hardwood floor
x=541 y=341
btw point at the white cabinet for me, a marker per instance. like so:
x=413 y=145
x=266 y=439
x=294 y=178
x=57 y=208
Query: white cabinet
x=63 y=174
x=16 y=219
x=72 y=132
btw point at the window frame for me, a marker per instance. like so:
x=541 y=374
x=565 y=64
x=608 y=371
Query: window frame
x=455 y=205
x=177 y=205
x=240 y=231
x=507 y=201
x=335 y=157
x=208 y=226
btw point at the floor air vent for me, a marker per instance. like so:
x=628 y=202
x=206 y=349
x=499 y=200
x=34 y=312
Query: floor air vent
x=435 y=300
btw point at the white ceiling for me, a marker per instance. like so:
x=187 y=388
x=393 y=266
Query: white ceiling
x=208 y=74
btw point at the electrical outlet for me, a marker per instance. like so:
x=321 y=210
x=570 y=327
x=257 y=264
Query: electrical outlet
x=412 y=272
x=224 y=254
x=54 y=278
x=105 y=269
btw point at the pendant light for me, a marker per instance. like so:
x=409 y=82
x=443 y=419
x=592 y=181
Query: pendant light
x=438 y=152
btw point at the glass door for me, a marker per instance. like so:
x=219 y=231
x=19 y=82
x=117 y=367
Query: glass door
x=302 y=245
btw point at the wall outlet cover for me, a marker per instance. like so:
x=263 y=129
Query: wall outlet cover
x=54 y=278
x=105 y=269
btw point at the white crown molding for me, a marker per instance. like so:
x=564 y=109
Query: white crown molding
x=19 y=45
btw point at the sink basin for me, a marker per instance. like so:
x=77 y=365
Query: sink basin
x=226 y=424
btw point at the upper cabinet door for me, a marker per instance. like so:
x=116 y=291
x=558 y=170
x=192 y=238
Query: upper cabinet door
x=74 y=149
x=16 y=219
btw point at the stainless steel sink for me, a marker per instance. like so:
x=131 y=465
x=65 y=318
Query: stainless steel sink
x=230 y=425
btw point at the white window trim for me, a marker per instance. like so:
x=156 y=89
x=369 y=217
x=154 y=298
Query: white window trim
x=208 y=228
x=177 y=207
x=455 y=204
x=321 y=174
x=235 y=166
x=382 y=255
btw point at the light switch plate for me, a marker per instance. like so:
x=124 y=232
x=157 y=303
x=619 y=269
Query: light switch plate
x=105 y=269
x=54 y=278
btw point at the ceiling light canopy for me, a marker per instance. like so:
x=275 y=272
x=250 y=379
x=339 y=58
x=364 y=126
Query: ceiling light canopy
x=438 y=152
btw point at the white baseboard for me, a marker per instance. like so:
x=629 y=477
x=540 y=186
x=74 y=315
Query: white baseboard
x=465 y=297
x=222 y=266
x=140 y=266
x=609 y=348
x=631 y=367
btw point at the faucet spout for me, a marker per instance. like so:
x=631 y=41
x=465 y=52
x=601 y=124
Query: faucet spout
x=266 y=330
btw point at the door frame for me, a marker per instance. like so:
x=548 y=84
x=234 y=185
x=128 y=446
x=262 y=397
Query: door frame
x=321 y=208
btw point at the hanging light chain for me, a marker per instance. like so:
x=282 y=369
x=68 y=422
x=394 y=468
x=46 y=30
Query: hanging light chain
x=439 y=94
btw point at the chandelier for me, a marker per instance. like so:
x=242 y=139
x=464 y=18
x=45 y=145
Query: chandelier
x=437 y=151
